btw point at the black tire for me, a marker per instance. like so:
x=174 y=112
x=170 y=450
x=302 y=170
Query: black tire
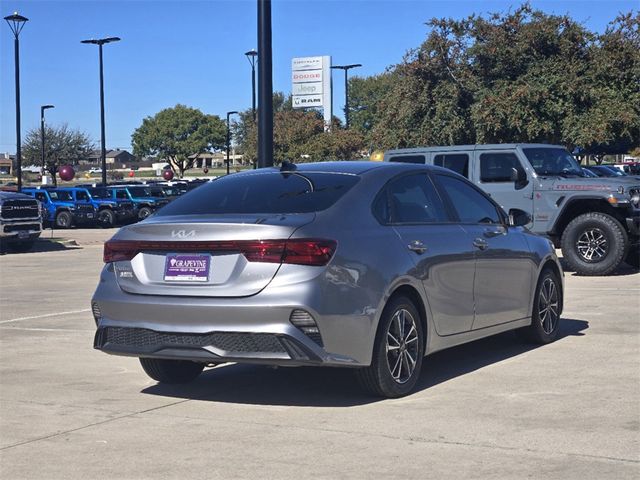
x=633 y=257
x=106 y=218
x=171 y=371
x=547 y=307
x=144 y=212
x=594 y=244
x=64 y=220
x=382 y=378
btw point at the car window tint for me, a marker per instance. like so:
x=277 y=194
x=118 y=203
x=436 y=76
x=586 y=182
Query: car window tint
x=458 y=162
x=408 y=200
x=419 y=159
x=121 y=194
x=272 y=192
x=470 y=205
x=496 y=167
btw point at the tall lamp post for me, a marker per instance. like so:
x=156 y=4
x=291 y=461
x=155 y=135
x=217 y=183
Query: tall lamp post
x=16 y=23
x=252 y=57
x=346 y=69
x=42 y=109
x=265 y=86
x=103 y=154
x=228 y=139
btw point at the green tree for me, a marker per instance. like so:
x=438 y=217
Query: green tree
x=365 y=94
x=523 y=76
x=299 y=136
x=179 y=135
x=63 y=145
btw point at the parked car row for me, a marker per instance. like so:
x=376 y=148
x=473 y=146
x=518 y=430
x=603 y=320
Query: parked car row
x=94 y=204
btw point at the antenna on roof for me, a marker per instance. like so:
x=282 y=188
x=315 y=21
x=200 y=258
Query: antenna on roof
x=288 y=166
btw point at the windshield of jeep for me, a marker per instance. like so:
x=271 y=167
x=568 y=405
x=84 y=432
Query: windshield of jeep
x=552 y=162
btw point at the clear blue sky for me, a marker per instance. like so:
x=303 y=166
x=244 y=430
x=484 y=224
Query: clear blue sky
x=192 y=52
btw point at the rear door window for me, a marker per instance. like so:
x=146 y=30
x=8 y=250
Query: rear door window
x=496 y=167
x=419 y=159
x=264 y=193
x=458 y=162
x=470 y=205
x=411 y=199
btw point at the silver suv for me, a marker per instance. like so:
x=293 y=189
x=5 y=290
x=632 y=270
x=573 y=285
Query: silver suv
x=596 y=221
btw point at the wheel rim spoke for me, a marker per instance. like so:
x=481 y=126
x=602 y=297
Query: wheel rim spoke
x=402 y=346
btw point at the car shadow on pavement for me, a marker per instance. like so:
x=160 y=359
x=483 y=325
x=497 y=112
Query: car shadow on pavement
x=337 y=387
x=622 y=270
x=46 y=245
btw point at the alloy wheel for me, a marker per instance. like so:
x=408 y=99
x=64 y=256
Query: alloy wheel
x=402 y=345
x=548 y=305
x=592 y=245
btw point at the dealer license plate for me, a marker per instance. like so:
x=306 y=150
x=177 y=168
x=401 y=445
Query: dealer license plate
x=187 y=268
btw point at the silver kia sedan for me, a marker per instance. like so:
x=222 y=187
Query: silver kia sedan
x=366 y=265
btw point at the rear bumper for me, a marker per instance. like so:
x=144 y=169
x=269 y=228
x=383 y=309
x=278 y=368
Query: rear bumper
x=211 y=347
x=254 y=329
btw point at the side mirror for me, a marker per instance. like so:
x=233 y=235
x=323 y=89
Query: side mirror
x=519 y=177
x=519 y=218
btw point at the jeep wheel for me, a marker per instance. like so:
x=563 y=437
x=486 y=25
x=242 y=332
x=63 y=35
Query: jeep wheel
x=594 y=244
x=106 y=218
x=633 y=257
x=397 y=352
x=144 y=212
x=64 y=220
x=171 y=371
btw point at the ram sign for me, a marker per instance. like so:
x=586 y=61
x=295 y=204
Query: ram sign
x=311 y=84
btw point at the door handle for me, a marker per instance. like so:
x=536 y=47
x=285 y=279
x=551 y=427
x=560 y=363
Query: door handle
x=480 y=243
x=417 y=246
x=494 y=231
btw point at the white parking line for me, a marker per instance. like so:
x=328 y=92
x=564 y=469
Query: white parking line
x=20 y=319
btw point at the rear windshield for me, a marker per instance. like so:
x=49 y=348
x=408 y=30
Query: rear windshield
x=264 y=193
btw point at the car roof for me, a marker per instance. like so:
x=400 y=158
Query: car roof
x=453 y=148
x=355 y=167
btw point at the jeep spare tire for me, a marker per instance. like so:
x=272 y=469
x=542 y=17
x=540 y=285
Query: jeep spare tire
x=594 y=244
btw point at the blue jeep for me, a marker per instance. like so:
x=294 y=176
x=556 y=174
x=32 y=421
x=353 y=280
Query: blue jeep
x=141 y=196
x=60 y=208
x=109 y=211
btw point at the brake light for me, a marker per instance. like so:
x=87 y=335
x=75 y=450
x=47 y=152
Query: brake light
x=304 y=251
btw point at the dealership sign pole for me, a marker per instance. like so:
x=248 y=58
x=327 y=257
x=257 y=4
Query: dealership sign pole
x=311 y=85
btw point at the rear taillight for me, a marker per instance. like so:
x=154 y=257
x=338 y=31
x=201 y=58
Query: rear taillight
x=303 y=251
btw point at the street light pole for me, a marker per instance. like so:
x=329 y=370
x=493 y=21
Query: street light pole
x=265 y=86
x=103 y=149
x=346 y=69
x=228 y=138
x=16 y=23
x=251 y=56
x=42 y=109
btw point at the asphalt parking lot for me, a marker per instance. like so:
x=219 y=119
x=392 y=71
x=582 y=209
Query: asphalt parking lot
x=491 y=409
